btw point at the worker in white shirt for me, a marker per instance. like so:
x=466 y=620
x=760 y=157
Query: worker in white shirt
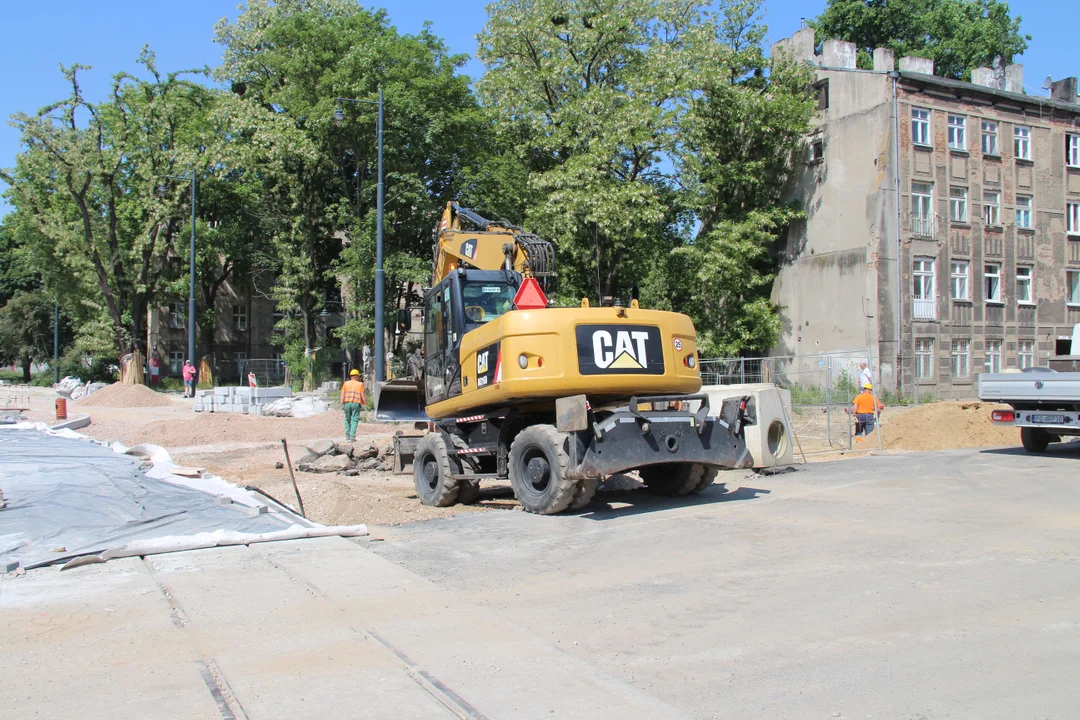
x=865 y=378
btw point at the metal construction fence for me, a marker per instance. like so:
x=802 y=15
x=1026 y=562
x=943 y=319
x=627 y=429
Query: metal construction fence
x=822 y=388
x=268 y=372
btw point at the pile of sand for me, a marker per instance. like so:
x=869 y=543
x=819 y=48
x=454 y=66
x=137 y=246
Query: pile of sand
x=119 y=395
x=221 y=428
x=946 y=426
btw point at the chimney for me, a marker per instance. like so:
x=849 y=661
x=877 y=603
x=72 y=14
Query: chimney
x=983 y=76
x=883 y=60
x=1014 y=78
x=799 y=47
x=1064 y=90
x=924 y=66
x=839 y=54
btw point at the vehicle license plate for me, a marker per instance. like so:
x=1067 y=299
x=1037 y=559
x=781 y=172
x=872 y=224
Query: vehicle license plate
x=1049 y=419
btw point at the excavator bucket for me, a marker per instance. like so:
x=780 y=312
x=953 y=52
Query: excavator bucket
x=400 y=401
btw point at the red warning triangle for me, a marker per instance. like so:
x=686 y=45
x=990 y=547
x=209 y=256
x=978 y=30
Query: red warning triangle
x=530 y=296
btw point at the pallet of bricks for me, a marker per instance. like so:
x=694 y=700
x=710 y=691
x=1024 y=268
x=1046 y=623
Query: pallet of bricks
x=238 y=399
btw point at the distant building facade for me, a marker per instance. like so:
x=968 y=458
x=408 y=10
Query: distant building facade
x=943 y=221
x=245 y=338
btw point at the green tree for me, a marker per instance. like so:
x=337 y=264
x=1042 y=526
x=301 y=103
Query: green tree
x=595 y=90
x=958 y=35
x=297 y=57
x=739 y=146
x=86 y=189
x=26 y=329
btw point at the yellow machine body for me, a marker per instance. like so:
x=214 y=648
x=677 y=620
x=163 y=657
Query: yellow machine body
x=549 y=341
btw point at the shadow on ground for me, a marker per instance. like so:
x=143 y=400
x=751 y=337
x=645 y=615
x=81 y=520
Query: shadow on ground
x=622 y=495
x=1069 y=450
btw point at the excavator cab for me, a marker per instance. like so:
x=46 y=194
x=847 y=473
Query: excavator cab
x=464 y=300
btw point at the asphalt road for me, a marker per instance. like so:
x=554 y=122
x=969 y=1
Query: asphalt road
x=940 y=585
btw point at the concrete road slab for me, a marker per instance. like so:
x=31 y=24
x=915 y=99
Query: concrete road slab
x=930 y=585
x=99 y=644
x=282 y=650
x=485 y=665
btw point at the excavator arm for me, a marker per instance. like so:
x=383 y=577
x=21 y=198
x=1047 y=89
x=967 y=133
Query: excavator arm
x=488 y=245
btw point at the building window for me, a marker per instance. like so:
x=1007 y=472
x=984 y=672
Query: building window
x=961 y=358
x=176 y=362
x=958 y=276
x=992 y=282
x=176 y=316
x=1022 y=142
x=239 y=317
x=989 y=138
x=958 y=204
x=1072 y=150
x=957 y=132
x=1025 y=354
x=822 y=94
x=992 y=208
x=1072 y=218
x=922 y=217
x=815 y=152
x=920 y=126
x=924 y=358
x=993 y=356
x=1023 y=286
x=1023 y=211
x=1072 y=287
x=923 y=294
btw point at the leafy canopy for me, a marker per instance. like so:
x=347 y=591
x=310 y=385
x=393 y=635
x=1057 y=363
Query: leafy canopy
x=958 y=35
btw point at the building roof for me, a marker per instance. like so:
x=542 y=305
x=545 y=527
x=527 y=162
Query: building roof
x=959 y=87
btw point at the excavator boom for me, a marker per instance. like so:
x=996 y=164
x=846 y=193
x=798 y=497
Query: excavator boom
x=488 y=245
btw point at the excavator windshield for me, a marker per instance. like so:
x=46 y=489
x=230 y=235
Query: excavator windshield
x=485 y=300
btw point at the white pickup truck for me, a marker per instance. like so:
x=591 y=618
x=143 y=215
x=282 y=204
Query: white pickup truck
x=1045 y=400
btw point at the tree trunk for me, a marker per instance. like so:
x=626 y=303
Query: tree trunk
x=27 y=361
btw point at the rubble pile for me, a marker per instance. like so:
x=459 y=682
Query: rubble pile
x=327 y=456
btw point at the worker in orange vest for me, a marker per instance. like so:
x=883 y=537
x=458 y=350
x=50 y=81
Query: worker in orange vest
x=352 y=397
x=865 y=410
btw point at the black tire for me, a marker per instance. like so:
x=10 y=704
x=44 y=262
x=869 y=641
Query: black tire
x=1034 y=439
x=538 y=466
x=677 y=479
x=433 y=472
x=583 y=495
x=468 y=491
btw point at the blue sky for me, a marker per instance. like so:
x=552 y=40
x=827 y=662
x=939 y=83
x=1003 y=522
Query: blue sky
x=107 y=34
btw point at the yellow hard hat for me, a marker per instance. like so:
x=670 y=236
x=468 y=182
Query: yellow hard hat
x=867 y=386
x=354 y=371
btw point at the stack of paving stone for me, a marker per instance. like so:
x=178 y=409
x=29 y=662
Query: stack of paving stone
x=238 y=399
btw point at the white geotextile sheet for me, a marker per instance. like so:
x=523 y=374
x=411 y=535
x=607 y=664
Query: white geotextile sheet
x=68 y=496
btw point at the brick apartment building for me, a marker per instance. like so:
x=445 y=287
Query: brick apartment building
x=943 y=220
x=244 y=332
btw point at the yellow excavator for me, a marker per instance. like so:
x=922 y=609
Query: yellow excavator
x=551 y=399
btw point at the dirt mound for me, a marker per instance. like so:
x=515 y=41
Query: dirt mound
x=216 y=429
x=119 y=395
x=946 y=426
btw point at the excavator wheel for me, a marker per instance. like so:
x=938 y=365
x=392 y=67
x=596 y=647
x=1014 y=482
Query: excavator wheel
x=433 y=472
x=586 y=490
x=677 y=479
x=538 y=465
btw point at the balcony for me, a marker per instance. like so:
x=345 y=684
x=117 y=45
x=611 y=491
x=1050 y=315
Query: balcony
x=924 y=310
x=922 y=227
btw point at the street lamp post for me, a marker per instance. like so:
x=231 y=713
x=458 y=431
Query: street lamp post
x=380 y=278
